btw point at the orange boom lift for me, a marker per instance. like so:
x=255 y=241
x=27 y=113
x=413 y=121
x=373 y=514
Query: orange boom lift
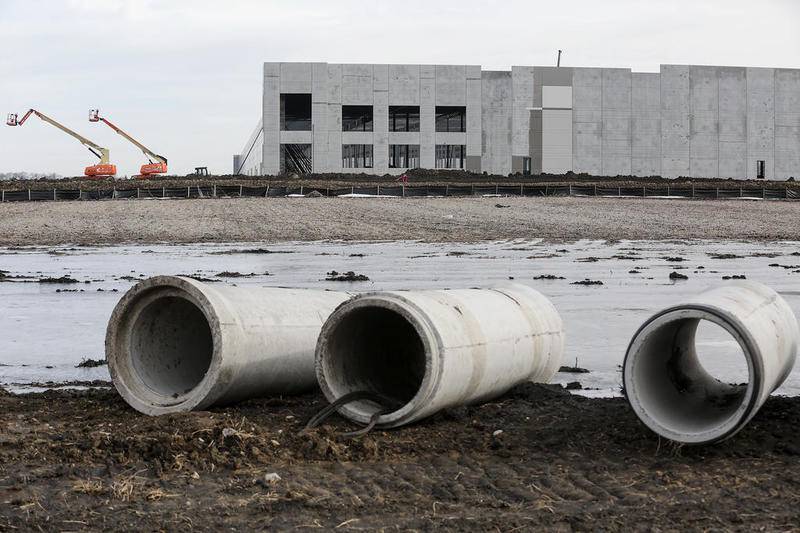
x=157 y=164
x=100 y=171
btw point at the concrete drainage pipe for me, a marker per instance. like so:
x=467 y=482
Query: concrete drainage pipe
x=671 y=392
x=174 y=344
x=424 y=351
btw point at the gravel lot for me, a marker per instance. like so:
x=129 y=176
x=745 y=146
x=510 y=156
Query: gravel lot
x=431 y=219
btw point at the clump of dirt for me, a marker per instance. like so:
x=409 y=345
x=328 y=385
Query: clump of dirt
x=227 y=274
x=674 y=259
x=738 y=276
x=547 y=277
x=91 y=363
x=677 y=276
x=346 y=276
x=587 y=282
x=65 y=280
x=573 y=370
x=713 y=255
x=255 y=251
x=587 y=260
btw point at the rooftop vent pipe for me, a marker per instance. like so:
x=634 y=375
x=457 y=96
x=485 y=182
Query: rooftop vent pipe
x=423 y=351
x=175 y=344
x=671 y=392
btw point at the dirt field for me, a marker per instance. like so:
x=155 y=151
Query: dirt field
x=437 y=219
x=85 y=461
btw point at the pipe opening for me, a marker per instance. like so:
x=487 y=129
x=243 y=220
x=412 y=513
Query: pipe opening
x=377 y=350
x=171 y=346
x=693 y=382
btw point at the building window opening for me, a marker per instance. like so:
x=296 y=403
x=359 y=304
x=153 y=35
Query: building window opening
x=761 y=169
x=296 y=159
x=451 y=119
x=356 y=156
x=403 y=118
x=403 y=156
x=296 y=112
x=450 y=156
x=356 y=118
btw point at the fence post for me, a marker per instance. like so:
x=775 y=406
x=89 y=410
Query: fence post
x=446 y=189
x=352 y=189
x=214 y=191
x=667 y=189
x=619 y=191
x=570 y=189
x=3 y=195
x=495 y=189
x=644 y=191
x=266 y=193
x=138 y=193
x=594 y=190
x=545 y=190
x=717 y=193
x=29 y=195
x=54 y=195
x=163 y=192
x=472 y=191
x=741 y=192
x=379 y=190
x=692 y=191
x=301 y=191
x=240 y=190
x=188 y=192
x=763 y=193
x=521 y=191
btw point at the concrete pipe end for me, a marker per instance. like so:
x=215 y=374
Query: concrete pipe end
x=671 y=392
x=382 y=345
x=162 y=346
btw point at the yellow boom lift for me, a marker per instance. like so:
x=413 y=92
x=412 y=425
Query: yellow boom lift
x=157 y=164
x=100 y=171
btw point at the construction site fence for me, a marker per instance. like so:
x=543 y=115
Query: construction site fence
x=241 y=191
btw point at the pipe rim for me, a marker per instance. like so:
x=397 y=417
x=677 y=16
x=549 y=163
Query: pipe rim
x=752 y=354
x=427 y=334
x=126 y=378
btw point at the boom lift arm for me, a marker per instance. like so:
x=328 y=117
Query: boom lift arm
x=158 y=163
x=102 y=169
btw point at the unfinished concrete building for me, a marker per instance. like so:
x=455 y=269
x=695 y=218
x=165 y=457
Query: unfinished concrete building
x=697 y=121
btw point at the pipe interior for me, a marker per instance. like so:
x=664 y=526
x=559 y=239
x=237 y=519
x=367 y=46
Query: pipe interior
x=171 y=346
x=377 y=350
x=676 y=390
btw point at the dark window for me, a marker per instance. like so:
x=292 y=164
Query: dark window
x=761 y=169
x=296 y=112
x=356 y=118
x=451 y=119
x=296 y=158
x=450 y=155
x=403 y=118
x=403 y=156
x=356 y=156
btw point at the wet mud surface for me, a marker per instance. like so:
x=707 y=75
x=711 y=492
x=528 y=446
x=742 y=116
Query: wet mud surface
x=535 y=459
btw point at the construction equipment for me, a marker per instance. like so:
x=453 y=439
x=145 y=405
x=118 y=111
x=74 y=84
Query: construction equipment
x=157 y=164
x=100 y=171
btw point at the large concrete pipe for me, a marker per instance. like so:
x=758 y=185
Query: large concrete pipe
x=676 y=397
x=422 y=351
x=175 y=344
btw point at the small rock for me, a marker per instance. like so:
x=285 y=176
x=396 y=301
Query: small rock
x=272 y=477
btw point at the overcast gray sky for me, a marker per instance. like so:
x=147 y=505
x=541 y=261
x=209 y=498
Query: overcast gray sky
x=185 y=75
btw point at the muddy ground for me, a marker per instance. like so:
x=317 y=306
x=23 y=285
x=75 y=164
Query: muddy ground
x=389 y=219
x=536 y=459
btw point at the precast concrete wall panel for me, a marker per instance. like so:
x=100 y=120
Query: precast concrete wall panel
x=357 y=82
x=380 y=85
x=496 y=122
x=704 y=122
x=474 y=91
x=451 y=85
x=427 y=116
x=787 y=124
x=760 y=120
x=587 y=121
x=334 y=125
x=296 y=78
x=675 y=110
x=522 y=89
x=732 y=98
x=404 y=84
x=616 y=122
x=556 y=141
x=271 y=119
x=645 y=124
x=319 y=116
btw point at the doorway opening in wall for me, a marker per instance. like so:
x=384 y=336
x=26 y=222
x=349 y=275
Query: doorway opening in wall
x=296 y=112
x=403 y=156
x=296 y=159
x=450 y=155
x=761 y=169
x=356 y=156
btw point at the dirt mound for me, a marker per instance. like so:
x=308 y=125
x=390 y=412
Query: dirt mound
x=537 y=458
